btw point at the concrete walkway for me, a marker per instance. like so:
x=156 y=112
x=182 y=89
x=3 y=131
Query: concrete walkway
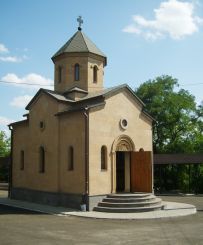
x=172 y=209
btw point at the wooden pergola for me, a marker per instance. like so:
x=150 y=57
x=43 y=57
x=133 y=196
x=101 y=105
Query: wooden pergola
x=178 y=159
x=161 y=160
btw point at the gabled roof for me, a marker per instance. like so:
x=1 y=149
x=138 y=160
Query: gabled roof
x=76 y=89
x=91 y=96
x=110 y=91
x=79 y=43
x=53 y=94
x=18 y=122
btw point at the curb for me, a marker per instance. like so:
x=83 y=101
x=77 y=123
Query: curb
x=171 y=210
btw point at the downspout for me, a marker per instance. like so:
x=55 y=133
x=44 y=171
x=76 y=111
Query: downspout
x=11 y=164
x=59 y=160
x=86 y=114
x=152 y=156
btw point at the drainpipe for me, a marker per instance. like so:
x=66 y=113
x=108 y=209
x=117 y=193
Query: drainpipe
x=86 y=114
x=11 y=164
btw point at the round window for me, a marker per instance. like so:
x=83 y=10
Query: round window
x=123 y=123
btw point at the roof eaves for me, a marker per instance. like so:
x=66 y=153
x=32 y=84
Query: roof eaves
x=75 y=89
x=123 y=86
x=55 y=96
x=148 y=115
x=133 y=93
x=33 y=99
x=114 y=89
x=76 y=109
x=83 y=100
x=18 y=122
x=50 y=93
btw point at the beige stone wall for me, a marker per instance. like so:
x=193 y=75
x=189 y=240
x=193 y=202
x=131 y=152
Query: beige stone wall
x=72 y=133
x=69 y=130
x=68 y=80
x=105 y=128
x=86 y=62
x=31 y=138
x=100 y=73
x=20 y=143
x=58 y=135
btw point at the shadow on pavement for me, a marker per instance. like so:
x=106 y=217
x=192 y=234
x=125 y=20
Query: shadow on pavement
x=6 y=210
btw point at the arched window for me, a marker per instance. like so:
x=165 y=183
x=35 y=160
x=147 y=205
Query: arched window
x=95 y=74
x=59 y=74
x=70 y=158
x=41 y=159
x=22 y=156
x=77 y=72
x=103 y=158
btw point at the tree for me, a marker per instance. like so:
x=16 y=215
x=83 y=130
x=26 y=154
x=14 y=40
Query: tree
x=178 y=128
x=4 y=144
x=4 y=152
x=178 y=122
x=199 y=136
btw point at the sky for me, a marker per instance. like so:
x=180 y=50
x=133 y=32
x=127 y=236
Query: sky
x=141 y=39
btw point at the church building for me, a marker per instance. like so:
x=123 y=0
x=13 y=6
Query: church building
x=81 y=141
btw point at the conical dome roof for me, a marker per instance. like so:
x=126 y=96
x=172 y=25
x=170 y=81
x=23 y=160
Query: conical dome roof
x=79 y=43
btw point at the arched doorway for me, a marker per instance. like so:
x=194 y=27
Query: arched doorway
x=121 y=148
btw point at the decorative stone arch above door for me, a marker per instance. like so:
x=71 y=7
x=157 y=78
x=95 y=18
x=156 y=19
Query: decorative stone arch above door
x=121 y=143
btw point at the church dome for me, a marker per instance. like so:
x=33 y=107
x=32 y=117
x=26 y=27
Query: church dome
x=79 y=43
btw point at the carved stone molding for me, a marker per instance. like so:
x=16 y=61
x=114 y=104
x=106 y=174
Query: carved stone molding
x=123 y=143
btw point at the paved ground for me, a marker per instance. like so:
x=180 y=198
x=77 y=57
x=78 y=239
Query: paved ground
x=171 y=209
x=30 y=228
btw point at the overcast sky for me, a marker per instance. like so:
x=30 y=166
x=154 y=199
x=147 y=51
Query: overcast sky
x=141 y=39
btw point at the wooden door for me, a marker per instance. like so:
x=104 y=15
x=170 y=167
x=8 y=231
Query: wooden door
x=141 y=171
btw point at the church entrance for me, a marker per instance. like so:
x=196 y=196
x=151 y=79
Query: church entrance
x=132 y=170
x=120 y=171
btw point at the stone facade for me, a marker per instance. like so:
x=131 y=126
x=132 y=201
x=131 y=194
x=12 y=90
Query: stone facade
x=82 y=117
x=87 y=63
x=105 y=129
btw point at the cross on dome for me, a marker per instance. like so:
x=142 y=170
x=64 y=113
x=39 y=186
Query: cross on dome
x=80 y=22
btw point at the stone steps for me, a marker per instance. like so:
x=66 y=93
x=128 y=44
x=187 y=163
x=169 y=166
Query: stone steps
x=127 y=210
x=4 y=186
x=129 y=195
x=157 y=201
x=128 y=200
x=125 y=198
x=129 y=203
